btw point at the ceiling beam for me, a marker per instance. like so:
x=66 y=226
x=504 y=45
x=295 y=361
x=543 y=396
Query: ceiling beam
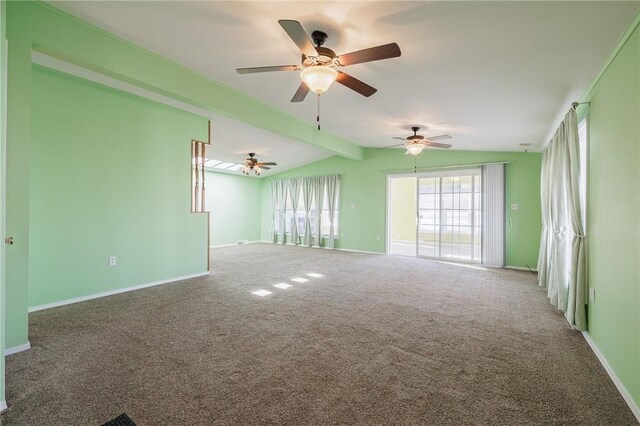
x=58 y=34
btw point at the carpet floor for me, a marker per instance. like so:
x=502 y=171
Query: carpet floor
x=375 y=340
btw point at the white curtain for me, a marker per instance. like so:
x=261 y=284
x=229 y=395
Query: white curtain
x=282 y=202
x=275 y=217
x=294 y=194
x=493 y=215
x=333 y=184
x=308 y=186
x=562 y=261
x=319 y=182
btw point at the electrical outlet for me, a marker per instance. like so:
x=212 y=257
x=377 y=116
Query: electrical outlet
x=592 y=294
x=378 y=237
x=515 y=206
x=112 y=261
x=353 y=206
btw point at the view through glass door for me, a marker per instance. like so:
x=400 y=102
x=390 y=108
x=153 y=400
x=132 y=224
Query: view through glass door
x=446 y=211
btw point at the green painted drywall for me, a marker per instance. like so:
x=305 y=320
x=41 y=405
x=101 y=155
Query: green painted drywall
x=3 y=98
x=110 y=176
x=39 y=26
x=59 y=34
x=18 y=144
x=234 y=205
x=613 y=214
x=363 y=196
x=403 y=209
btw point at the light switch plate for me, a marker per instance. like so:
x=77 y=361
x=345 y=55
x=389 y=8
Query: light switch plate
x=592 y=294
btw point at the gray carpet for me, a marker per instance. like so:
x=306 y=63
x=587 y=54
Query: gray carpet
x=377 y=340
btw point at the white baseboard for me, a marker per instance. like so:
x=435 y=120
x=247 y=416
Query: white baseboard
x=112 y=292
x=325 y=248
x=359 y=251
x=520 y=268
x=635 y=409
x=16 y=349
x=238 y=244
x=3 y=406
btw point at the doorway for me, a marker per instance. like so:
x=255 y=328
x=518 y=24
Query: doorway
x=436 y=215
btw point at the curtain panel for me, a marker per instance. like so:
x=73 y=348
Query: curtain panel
x=294 y=195
x=308 y=187
x=315 y=192
x=562 y=257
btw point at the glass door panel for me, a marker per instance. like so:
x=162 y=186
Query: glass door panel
x=429 y=217
x=449 y=214
x=436 y=215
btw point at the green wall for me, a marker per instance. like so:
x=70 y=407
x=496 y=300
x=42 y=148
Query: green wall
x=110 y=176
x=613 y=215
x=234 y=205
x=3 y=98
x=363 y=196
x=39 y=26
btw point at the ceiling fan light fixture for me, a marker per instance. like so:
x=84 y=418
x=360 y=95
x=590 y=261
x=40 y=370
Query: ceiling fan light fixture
x=415 y=148
x=319 y=78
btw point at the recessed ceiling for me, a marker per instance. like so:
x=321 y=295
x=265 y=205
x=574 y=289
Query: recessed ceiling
x=494 y=75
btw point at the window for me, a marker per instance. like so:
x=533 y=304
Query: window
x=298 y=217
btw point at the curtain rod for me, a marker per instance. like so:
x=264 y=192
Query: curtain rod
x=426 y=169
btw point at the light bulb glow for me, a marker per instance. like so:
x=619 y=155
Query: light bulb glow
x=415 y=148
x=318 y=78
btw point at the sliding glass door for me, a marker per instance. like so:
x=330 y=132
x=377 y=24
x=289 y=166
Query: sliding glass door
x=447 y=211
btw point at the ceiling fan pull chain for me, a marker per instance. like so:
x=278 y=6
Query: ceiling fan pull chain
x=318 y=112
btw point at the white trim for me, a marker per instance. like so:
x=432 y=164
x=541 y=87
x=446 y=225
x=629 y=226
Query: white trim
x=326 y=248
x=356 y=251
x=238 y=243
x=635 y=409
x=16 y=349
x=3 y=406
x=520 y=268
x=112 y=292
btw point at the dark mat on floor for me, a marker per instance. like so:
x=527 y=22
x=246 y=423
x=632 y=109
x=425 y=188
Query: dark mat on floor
x=121 y=420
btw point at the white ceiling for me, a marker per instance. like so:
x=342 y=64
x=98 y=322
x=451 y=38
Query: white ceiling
x=491 y=74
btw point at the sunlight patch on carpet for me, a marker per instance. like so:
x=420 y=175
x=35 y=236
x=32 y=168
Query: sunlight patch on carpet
x=283 y=286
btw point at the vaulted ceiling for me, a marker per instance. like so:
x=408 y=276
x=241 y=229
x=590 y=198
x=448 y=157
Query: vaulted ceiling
x=494 y=75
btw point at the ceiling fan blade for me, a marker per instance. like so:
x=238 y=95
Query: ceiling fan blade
x=438 y=138
x=438 y=145
x=268 y=69
x=299 y=36
x=354 y=84
x=265 y=168
x=301 y=93
x=390 y=146
x=396 y=137
x=377 y=53
x=268 y=163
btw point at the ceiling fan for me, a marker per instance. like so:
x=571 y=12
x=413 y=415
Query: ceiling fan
x=319 y=64
x=252 y=164
x=416 y=143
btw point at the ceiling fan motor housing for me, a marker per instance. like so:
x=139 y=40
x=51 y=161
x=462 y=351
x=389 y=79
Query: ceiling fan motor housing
x=325 y=56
